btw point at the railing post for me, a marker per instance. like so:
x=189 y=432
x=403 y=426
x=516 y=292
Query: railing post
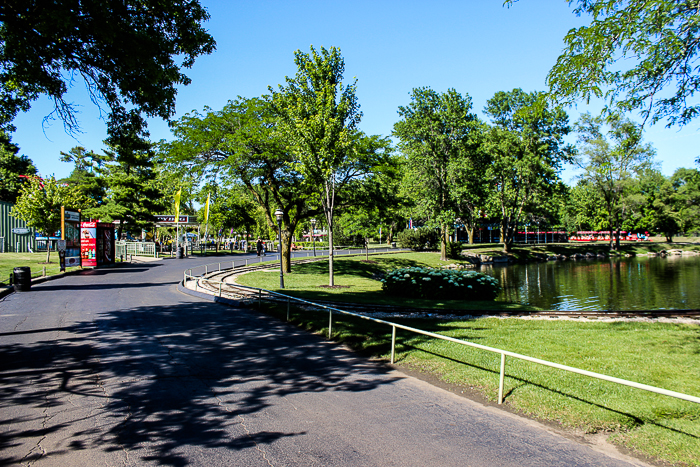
x=220 y=284
x=330 y=323
x=233 y=266
x=288 y=299
x=206 y=269
x=259 y=298
x=246 y=262
x=43 y=272
x=393 y=343
x=184 y=279
x=219 y=266
x=502 y=378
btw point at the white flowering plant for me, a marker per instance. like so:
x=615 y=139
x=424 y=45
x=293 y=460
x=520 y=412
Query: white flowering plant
x=424 y=282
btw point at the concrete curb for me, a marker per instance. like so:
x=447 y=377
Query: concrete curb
x=212 y=298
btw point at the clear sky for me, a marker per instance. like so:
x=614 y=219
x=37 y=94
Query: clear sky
x=477 y=47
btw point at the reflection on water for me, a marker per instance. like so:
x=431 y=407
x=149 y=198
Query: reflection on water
x=603 y=285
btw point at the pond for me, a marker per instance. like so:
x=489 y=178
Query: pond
x=641 y=283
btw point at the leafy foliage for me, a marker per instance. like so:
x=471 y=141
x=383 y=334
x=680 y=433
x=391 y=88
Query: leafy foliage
x=635 y=55
x=422 y=282
x=125 y=52
x=422 y=238
x=12 y=168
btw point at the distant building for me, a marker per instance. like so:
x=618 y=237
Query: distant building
x=15 y=236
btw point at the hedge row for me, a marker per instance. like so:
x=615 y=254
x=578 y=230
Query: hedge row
x=424 y=282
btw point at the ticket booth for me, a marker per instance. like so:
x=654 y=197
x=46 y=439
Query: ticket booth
x=96 y=244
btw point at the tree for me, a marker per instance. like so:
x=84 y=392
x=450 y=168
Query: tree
x=686 y=183
x=318 y=119
x=634 y=54
x=527 y=151
x=85 y=174
x=434 y=136
x=134 y=191
x=14 y=170
x=39 y=205
x=240 y=145
x=612 y=161
x=125 y=52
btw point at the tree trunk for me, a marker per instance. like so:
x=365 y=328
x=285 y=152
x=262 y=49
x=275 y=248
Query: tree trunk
x=286 y=249
x=331 y=282
x=48 y=250
x=443 y=242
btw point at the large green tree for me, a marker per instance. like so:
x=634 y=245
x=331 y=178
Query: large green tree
x=134 y=191
x=239 y=145
x=611 y=160
x=635 y=54
x=129 y=54
x=434 y=135
x=40 y=201
x=527 y=151
x=85 y=174
x=319 y=116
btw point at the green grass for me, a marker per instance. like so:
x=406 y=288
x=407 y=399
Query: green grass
x=35 y=261
x=659 y=354
x=358 y=281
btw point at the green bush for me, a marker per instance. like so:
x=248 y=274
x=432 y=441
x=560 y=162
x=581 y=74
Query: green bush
x=454 y=250
x=422 y=238
x=423 y=282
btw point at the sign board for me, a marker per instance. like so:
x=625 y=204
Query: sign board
x=88 y=243
x=21 y=230
x=61 y=245
x=70 y=233
x=71 y=216
x=171 y=219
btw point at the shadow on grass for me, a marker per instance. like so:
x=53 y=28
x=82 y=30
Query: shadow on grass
x=162 y=377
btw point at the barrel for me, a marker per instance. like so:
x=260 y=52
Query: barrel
x=22 y=279
x=179 y=252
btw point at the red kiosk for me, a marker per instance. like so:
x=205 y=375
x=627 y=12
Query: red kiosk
x=96 y=244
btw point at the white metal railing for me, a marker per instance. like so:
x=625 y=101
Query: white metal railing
x=135 y=248
x=395 y=326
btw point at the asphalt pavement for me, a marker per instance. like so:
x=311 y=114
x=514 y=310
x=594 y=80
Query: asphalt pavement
x=117 y=367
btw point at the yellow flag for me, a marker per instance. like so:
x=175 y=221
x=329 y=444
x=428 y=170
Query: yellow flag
x=206 y=210
x=177 y=206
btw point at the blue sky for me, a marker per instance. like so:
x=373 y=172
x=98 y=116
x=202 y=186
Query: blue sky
x=477 y=47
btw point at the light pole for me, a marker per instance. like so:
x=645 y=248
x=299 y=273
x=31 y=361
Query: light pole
x=313 y=236
x=278 y=215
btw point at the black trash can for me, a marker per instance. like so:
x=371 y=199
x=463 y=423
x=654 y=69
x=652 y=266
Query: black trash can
x=393 y=244
x=179 y=252
x=22 y=279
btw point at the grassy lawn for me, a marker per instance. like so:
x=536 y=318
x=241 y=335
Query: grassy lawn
x=36 y=261
x=357 y=281
x=662 y=355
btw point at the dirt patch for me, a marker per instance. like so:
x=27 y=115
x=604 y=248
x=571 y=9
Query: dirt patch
x=334 y=286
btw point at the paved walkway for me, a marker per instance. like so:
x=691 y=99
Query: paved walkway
x=116 y=367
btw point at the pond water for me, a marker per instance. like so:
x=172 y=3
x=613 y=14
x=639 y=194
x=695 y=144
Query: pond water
x=639 y=283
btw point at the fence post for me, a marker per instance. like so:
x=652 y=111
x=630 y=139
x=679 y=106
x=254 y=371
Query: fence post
x=233 y=266
x=330 y=323
x=43 y=271
x=288 y=299
x=206 y=269
x=219 y=266
x=393 y=343
x=220 y=284
x=500 y=383
x=259 y=298
x=246 y=262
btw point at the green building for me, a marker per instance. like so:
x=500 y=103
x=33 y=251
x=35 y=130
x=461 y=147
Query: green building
x=15 y=236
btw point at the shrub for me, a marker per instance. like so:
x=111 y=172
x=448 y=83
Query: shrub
x=454 y=250
x=423 y=282
x=422 y=238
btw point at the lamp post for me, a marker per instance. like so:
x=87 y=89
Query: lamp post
x=313 y=236
x=278 y=215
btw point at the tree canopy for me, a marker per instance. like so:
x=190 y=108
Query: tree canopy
x=129 y=54
x=634 y=54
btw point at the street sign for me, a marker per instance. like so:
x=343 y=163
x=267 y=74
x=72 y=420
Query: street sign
x=21 y=230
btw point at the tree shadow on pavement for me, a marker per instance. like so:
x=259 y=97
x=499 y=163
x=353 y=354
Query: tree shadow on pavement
x=153 y=381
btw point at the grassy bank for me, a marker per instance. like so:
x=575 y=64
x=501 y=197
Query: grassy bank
x=35 y=261
x=531 y=252
x=663 y=355
x=356 y=281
